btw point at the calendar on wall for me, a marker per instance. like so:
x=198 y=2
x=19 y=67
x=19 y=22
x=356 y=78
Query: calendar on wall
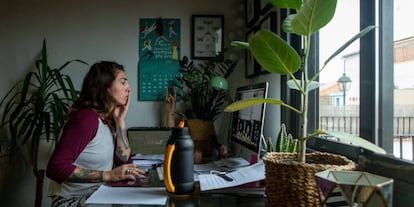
x=159 y=56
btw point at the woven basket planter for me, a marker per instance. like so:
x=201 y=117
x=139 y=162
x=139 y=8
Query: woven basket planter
x=290 y=183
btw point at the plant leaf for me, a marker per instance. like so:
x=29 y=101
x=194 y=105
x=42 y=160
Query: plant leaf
x=312 y=16
x=287 y=4
x=68 y=62
x=350 y=41
x=273 y=53
x=354 y=140
x=44 y=61
x=238 y=105
x=240 y=44
x=311 y=86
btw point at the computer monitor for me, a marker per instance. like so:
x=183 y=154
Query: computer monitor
x=247 y=124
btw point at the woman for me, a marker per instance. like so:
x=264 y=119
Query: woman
x=93 y=147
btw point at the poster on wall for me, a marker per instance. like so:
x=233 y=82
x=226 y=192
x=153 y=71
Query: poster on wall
x=159 y=56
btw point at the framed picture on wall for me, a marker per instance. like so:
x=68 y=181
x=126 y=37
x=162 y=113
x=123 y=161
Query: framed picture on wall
x=252 y=9
x=269 y=22
x=207 y=36
x=265 y=6
x=252 y=66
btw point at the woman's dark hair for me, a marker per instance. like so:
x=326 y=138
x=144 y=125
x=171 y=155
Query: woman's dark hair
x=98 y=80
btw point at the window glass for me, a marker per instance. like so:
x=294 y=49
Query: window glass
x=339 y=108
x=403 y=79
x=339 y=90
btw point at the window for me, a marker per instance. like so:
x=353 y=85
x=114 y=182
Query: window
x=362 y=107
x=403 y=80
x=340 y=79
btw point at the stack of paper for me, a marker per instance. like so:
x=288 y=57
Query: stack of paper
x=241 y=176
x=148 y=161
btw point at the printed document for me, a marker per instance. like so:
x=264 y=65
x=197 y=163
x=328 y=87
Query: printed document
x=241 y=176
x=128 y=195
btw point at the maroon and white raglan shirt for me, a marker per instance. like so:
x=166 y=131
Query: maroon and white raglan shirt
x=86 y=142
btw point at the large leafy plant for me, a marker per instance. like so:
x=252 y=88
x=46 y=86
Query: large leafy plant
x=203 y=101
x=275 y=55
x=35 y=107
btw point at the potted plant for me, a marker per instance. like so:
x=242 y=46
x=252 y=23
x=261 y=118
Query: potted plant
x=203 y=101
x=204 y=90
x=276 y=56
x=35 y=109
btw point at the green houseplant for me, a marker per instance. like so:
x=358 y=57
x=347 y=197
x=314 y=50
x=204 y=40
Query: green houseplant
x=275 y=55
x=203 y=101
x=203 y=89
x=290 y=177
x=35 y=108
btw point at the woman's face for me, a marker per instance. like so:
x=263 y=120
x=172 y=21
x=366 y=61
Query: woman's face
x=120 y=89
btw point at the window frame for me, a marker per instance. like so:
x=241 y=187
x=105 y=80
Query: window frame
x=376 y=83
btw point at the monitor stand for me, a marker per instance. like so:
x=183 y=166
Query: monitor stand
x=262 y=147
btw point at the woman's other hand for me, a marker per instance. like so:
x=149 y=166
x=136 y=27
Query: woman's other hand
x=123 y=172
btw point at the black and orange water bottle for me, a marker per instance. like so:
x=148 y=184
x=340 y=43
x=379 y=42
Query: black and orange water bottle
x=179 y=162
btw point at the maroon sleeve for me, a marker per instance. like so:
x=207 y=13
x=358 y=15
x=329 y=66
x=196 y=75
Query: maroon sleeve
x=79 y=130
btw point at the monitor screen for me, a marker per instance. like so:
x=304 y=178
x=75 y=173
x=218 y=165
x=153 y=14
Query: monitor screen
x=247 y=123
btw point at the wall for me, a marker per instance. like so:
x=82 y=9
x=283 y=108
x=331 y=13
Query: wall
x=92 y=31
x=97 y=30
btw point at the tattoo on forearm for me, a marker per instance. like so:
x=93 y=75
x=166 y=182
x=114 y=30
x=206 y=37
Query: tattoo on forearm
x=122 y=136
x=121 y=156
x=122 y=144
x=80 y=175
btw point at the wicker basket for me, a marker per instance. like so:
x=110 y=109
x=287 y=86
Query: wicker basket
x=290 y=183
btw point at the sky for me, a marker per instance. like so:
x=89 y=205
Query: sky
x=342 y=27
x=345 y=25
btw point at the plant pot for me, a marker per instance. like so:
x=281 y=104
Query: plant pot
x=291 y=183
x=354 y=188
x=203 y=134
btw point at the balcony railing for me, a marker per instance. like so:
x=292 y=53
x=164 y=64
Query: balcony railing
x=403 y=141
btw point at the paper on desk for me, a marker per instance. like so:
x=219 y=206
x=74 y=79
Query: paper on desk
x=241 y=176
x=128 y=195
x=147 y=163
x=148 y=160
x=149 y=157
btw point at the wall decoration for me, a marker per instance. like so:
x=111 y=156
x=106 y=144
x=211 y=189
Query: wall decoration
x=252 y=9
x=207 y=36
x=159 y=55
x=265 y=6
x=252 y=66
x=269 y=22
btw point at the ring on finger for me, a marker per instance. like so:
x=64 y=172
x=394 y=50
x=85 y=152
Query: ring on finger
x=128 y=171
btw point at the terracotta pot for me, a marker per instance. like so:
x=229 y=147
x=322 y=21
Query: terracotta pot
x=291 y=183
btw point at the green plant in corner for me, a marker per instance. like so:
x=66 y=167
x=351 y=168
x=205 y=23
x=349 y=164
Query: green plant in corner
x=35 y=108
x=275 y=55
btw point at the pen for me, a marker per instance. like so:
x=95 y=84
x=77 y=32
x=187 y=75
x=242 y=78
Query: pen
x=222 y=175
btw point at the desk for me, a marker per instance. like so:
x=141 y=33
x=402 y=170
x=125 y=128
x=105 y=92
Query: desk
x=198 y=198
x=202 y=201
